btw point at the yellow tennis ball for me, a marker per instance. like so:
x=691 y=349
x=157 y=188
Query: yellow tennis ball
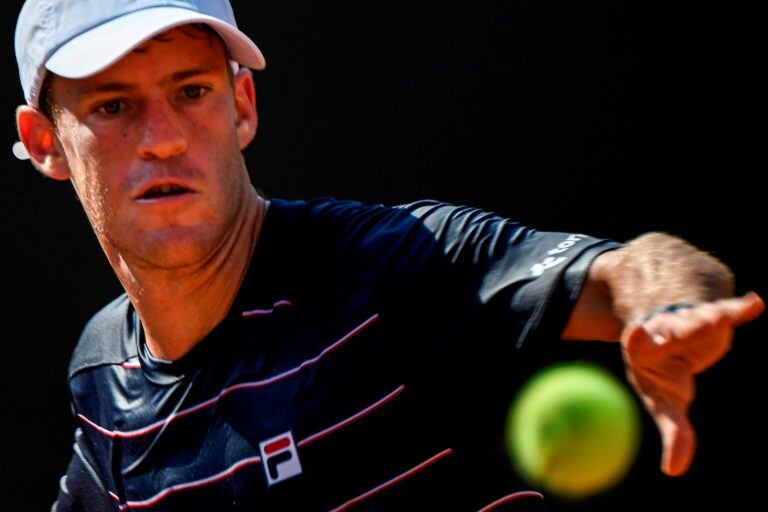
x=573 y=429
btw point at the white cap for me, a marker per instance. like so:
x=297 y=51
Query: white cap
x=79 y=38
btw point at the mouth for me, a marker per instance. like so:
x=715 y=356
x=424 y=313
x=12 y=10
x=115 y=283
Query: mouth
x=163 y=190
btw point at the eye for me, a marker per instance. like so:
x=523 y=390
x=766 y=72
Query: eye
x=112 y=107
x=193 y=92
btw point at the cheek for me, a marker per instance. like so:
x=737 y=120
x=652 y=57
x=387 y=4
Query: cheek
x=95 y=194
x=94 y=169
x=218 y=117
x=214 y=141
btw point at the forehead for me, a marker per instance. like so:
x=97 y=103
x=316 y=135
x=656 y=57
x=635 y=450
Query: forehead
x=160 y=58
x=183 y=34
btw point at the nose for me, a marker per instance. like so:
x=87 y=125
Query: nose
x=163 y=134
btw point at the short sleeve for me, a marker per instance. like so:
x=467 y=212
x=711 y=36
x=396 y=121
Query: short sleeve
x=469 y=262
x=555 y=303
x=524 y=280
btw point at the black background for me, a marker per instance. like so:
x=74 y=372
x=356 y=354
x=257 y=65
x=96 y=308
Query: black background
x=610 y=118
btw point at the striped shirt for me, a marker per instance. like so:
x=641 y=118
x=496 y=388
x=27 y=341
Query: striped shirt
x=363 y=366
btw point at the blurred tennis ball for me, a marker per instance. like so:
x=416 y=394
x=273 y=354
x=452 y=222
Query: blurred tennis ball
x=573 y=429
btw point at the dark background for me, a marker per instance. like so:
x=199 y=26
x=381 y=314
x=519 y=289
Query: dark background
x=612 y=118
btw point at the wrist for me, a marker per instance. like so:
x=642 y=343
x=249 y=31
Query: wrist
x=665 y=308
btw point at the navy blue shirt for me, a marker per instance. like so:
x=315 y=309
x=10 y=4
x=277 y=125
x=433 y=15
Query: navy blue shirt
x=361 y=367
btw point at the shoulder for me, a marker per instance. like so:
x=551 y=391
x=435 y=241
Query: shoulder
x=329 y=208
x=328 y=224
x=104 y=338
x=328 y=215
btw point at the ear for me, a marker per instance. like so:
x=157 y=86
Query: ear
x=245 y=107
x=39 y=138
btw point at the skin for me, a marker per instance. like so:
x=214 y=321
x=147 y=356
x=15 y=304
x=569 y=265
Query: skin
x=664 y=353
x=166 y=112
x=181 y=262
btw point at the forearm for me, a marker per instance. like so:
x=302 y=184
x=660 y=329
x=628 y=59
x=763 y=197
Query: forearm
x=649 y=271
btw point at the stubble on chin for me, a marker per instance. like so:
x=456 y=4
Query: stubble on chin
x=179 y=249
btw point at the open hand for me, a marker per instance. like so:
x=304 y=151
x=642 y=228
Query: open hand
x=663 y=354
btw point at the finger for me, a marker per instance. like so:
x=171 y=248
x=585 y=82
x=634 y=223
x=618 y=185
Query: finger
x=678 y=440
x=667 y=392
x=740 y=310
x=703 y=337
x=670 y=381
x=642 y=347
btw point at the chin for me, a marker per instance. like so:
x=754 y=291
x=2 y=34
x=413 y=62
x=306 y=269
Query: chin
x=174 y=248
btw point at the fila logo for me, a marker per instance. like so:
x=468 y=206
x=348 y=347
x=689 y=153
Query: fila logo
x=550 y=261
x=280 y=459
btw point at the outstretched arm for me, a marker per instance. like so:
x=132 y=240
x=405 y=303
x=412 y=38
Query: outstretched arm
x=663 y=353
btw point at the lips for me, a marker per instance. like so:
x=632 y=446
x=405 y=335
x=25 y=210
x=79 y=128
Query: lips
x=158 y=189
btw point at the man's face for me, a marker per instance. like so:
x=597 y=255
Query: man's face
x=153 y=149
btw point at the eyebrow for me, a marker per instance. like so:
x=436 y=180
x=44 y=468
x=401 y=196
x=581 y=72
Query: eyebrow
x=178 y=76
x=189 y=73
x=108 y=87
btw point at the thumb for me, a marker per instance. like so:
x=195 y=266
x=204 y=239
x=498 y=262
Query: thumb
x=741 y=310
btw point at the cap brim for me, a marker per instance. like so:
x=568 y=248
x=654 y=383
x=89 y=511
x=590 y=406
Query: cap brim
x=97 y=49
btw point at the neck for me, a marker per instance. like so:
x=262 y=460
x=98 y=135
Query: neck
x=179 y=308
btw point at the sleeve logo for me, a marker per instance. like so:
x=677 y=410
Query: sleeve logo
x=552 y=261
x=280 y=458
